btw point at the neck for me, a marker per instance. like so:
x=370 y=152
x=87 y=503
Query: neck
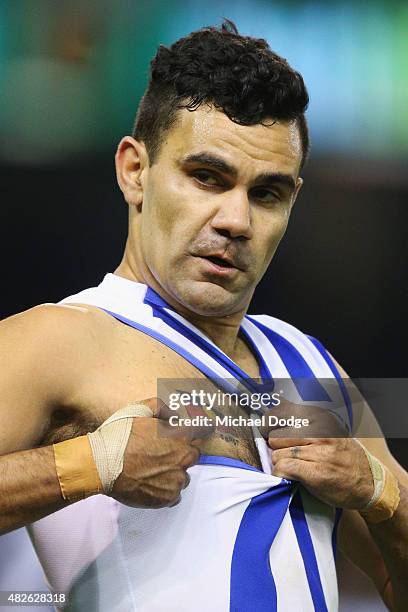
x=222 y=330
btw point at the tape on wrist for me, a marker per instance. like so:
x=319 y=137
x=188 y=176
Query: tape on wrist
x=386 y=495
x=76 y=469
x=91 y=464
x=109 y=442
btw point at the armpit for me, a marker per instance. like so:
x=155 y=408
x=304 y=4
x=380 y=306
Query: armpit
x=67 y=423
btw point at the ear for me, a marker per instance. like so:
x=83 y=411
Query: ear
x=132 y=163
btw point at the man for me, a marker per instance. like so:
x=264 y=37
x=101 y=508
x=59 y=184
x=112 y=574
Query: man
x=210 y=176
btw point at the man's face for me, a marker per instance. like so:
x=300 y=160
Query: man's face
x=216 y=204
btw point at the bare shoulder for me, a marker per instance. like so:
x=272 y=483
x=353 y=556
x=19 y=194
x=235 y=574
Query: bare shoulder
x=42 y=352
x=61 y=338
x=65 y=368
x=48 y=327
x=79 y=337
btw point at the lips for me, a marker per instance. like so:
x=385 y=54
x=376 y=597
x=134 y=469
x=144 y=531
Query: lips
x=219 y=261
x=217 y=266
x=222 y=260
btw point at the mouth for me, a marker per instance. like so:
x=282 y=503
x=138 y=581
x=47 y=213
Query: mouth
x=218 y=266
x=219 y=261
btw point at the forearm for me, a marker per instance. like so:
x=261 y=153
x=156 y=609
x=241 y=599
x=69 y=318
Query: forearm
x=391 y=537
x=29 y=488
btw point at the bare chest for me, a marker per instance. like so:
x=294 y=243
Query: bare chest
x=127 y=369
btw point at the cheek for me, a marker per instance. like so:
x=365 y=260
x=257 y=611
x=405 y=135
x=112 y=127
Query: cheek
x=271 y=229
x=176 y=210
x=168 y=224
x=269 y=234
x=158 y=214
x=165 y=199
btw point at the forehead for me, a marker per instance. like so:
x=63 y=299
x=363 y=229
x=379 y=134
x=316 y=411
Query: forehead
x=251 y=149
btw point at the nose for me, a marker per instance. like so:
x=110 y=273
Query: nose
x=233 y=215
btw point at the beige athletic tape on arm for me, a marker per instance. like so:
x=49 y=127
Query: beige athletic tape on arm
x=76 y=469
x=109 y=442
x=91 y=464
x=386 y=496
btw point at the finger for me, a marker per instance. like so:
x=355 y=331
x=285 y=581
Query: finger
x=199 y=443
x=187 y=481
x=191 y=457
x=160 y=409
x=156 y=405
x=292 y=469
x=175 y=503
x=196 y=432
x=309 y=452
x=276 y=443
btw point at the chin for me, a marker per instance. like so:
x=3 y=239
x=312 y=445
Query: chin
x=209 y=299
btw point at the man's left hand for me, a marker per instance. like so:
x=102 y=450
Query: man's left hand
x=335 y=470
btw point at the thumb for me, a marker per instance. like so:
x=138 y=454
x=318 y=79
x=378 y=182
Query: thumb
x=157 y=406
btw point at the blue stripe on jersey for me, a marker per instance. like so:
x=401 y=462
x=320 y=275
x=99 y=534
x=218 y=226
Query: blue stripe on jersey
x=336 y=373
x=160 y=310
x=176 y=347
x=307 y=385
x=228 y=461
x=252 y=586
x=265 y=374
x=305 y=543
x=210 y=349
x=154 y=299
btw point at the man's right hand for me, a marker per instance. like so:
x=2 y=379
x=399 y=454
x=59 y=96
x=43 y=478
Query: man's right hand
x=156 y=460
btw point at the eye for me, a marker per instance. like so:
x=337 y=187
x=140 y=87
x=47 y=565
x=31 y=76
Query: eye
x=265 y=195
x=206 y=178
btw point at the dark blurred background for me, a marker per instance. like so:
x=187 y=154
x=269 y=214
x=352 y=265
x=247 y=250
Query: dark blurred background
x=71 y=76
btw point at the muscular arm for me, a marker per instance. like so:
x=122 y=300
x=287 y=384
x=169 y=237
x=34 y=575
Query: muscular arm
x=380 y=550
x=336 y=471
x=29 y=488
x=391 y=538
x=36 y=368
x=64 y=371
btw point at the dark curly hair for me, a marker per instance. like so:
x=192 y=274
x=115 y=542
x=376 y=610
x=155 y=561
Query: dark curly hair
x=239 y=75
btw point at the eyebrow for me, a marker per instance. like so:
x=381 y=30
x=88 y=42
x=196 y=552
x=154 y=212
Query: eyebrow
x=265 y=178
x=207 y=159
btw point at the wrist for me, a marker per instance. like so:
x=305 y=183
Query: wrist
x=386 y=495
x=91 y=464
x=109 y=441
x=76 y=469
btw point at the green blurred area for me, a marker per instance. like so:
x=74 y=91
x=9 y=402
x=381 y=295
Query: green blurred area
x=72 y=73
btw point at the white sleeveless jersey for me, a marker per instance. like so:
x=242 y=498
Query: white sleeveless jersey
x=241 y=539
